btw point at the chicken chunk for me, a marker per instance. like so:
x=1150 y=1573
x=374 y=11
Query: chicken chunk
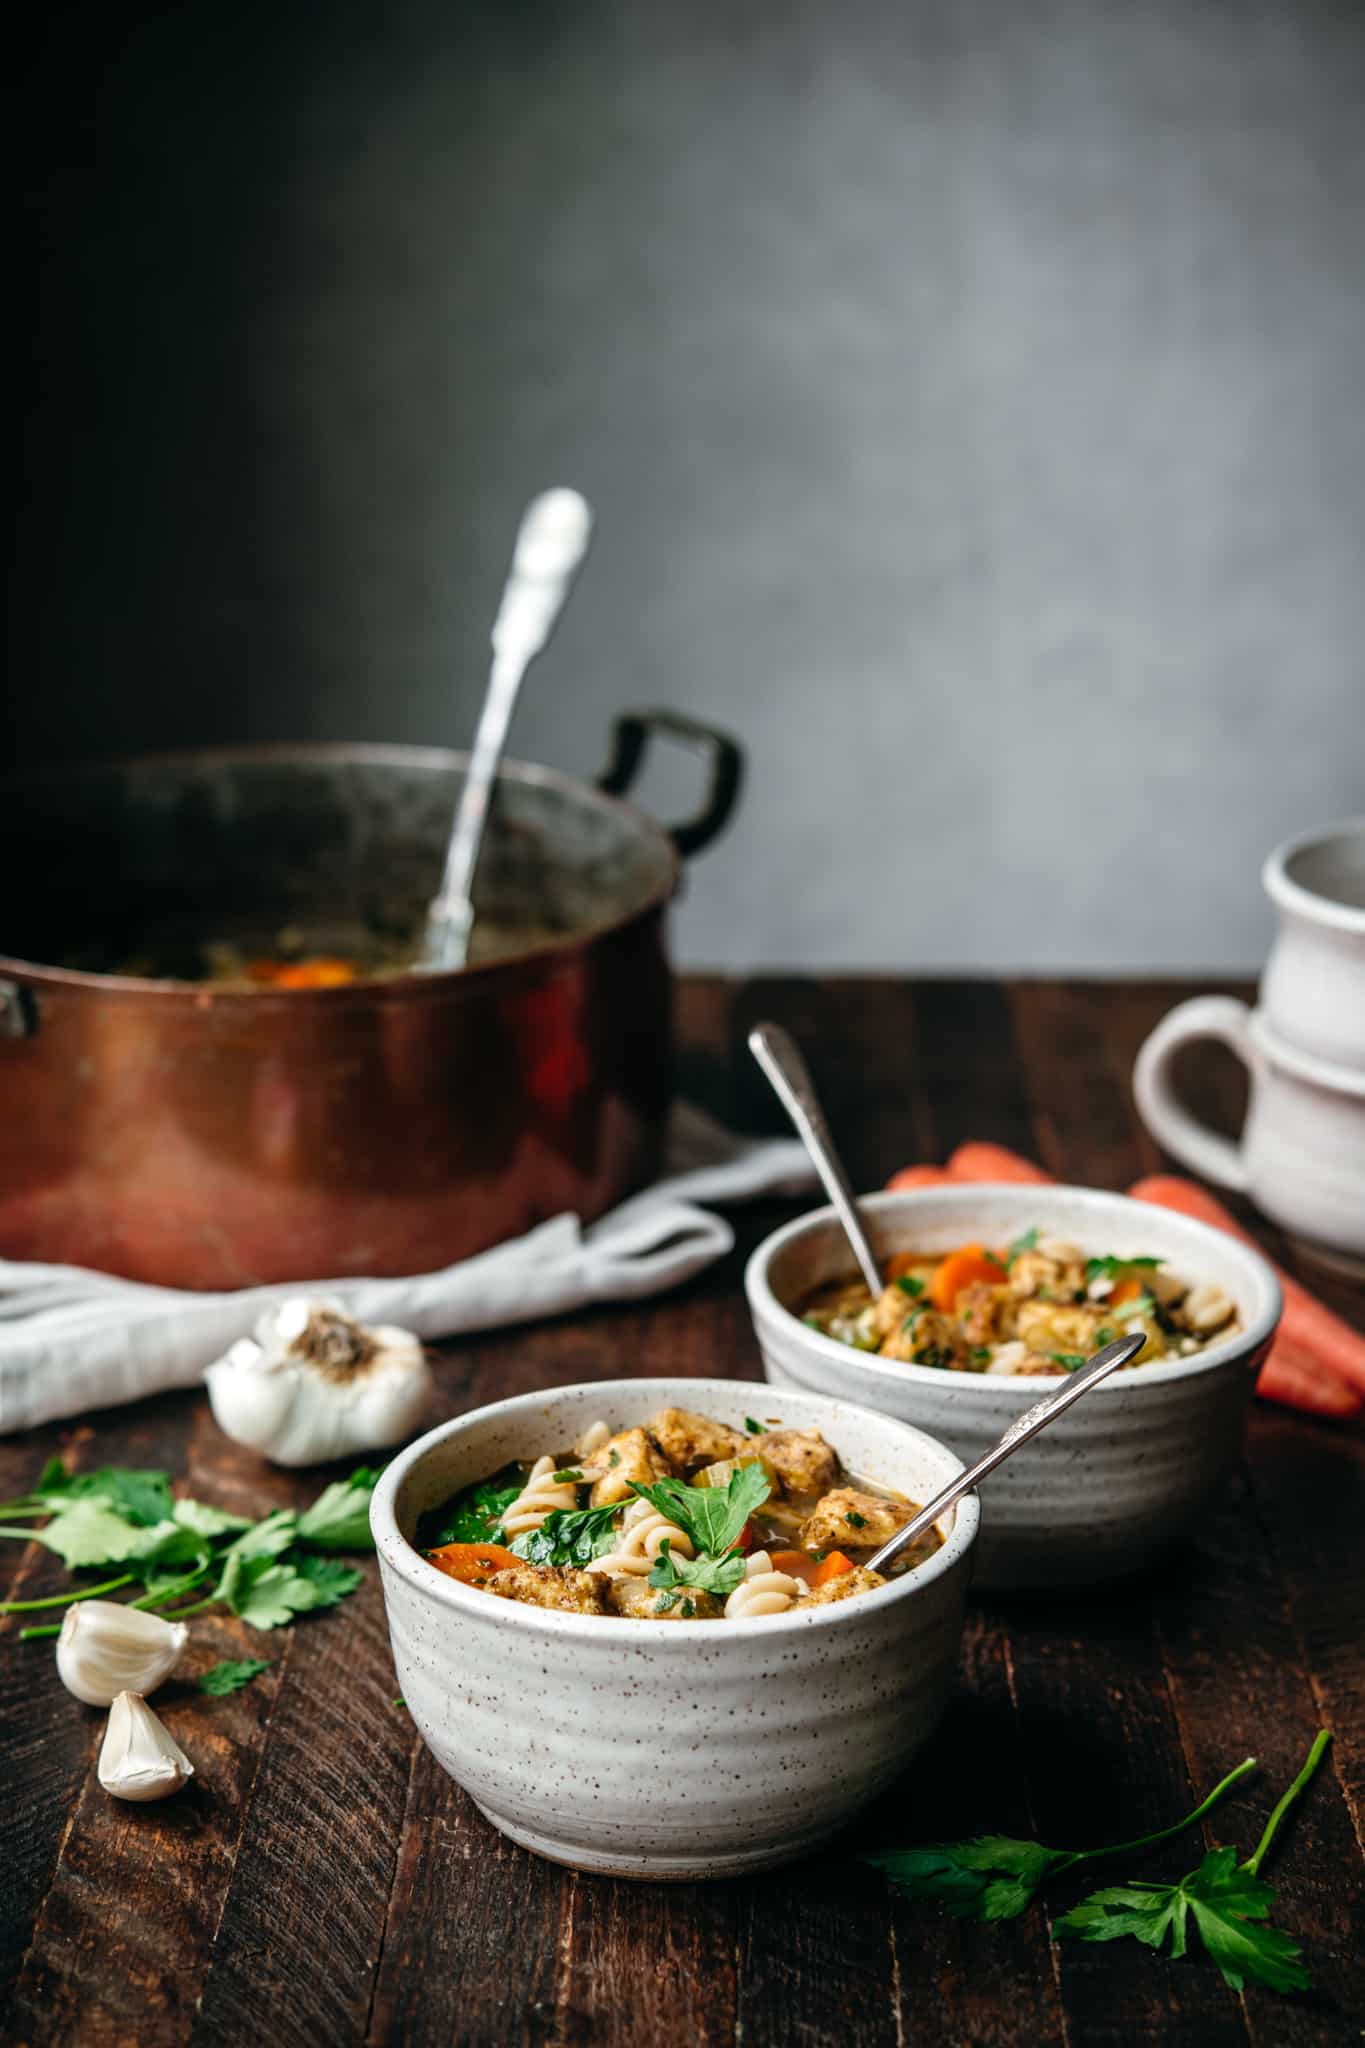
x=924 y=1337
x=549 y=1585
x=635 y=1599
x=801 y=1458
x=859 y=1580
x=849 y=1520
x=623 y=1458
x=689 y=1440
x=981 y=1311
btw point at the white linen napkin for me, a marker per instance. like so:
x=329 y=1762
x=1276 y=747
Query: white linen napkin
x=71 y=1340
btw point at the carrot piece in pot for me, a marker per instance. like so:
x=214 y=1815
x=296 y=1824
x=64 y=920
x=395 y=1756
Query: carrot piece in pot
x=472 y=1563
x=966 y=1267
x=832 y=1567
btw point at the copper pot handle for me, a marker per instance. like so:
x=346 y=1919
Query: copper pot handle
x=630 y=738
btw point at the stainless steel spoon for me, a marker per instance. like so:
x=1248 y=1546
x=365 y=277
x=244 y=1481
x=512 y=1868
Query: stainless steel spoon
x=777 y=1053
x=1020 y=1430
x=551 y=542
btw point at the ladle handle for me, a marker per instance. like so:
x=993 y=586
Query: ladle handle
x=780 y=1058
x=551 y=542
x=1020 y=1430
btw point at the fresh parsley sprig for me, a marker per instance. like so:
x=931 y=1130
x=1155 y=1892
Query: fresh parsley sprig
x=718 y=1575
x=994 y=1877
x=570 y=1536
x=1226 y=1899
x=713 y=1517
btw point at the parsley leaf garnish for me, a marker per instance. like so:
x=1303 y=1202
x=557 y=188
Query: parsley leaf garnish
x=1027 y=1243
x=718 y=1575
x=475 y=1515
x=231 y=1675
x=1070 y=1361
x=1226 y=1899
x=712 y=1516
x=339 y=1518
x=570 y=1536
x=754 y=1428
x=1111 y=1268
x=994 y=1877
x=908 y=1284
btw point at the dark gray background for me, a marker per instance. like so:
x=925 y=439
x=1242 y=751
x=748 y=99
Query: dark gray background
x=970 y=394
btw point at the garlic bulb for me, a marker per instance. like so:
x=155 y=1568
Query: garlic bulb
x=139 y=1757
x=314 y=1384
x=105 y=1648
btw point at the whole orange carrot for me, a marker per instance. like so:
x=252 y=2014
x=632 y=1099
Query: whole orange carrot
x=978 y=1160
x=920 y=1177
x=1311 y=1340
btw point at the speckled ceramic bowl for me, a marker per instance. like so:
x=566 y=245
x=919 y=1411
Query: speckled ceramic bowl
x=1116 y=1482
x=669 y=1749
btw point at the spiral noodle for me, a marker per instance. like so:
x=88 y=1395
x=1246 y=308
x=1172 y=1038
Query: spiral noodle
x=762 y=1591
x=643 y=1530
x=537 y=1499
x=592 y=1439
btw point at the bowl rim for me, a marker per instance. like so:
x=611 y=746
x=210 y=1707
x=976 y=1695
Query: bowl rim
x=394 y=1549
x=1287 y=893
x=764 y=1302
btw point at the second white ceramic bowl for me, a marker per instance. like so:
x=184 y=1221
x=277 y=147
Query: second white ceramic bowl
x=1116 y=1482
x=669 y=1749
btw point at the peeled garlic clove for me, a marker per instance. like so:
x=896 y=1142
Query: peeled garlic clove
x=314 y=1384
x=105 y=1649
x=139 y=1757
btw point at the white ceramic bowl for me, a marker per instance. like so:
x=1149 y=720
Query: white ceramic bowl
x=1116 y=1482
x=669 y=1749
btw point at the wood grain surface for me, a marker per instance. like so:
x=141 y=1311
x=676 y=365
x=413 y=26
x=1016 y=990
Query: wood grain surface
x=322 y=1881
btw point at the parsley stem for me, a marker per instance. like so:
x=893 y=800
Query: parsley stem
x=22 y=1509
x=65 y=1599
x=1311 y=1762
x=163 y=1595
x=22 y=1535
x=51 y=1628
x=195 y=1607
x=1176 y=1828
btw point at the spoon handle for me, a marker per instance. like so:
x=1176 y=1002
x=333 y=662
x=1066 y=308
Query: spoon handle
x=551 y=542
x=1020 y=1430
x=777 y=1053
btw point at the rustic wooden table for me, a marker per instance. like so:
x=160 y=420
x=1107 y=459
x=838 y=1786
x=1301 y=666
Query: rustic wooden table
x=323 y=1882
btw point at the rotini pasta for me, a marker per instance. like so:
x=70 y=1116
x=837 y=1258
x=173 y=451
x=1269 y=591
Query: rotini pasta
x=761 y=1591
x=592 y=1439
x=643 y=1530
x=537 y=1499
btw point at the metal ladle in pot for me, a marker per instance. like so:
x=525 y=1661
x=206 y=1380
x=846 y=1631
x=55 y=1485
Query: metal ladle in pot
x=1020 y=1430
x=551 y=542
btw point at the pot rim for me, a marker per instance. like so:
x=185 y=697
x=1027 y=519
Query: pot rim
x=1230 y=1351
x=428 y=1583
x=405 y=987
x=1309 y=904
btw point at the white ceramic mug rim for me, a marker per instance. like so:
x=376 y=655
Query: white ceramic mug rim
x=424 y=1579
x=762 y=1298
x=1290 y=895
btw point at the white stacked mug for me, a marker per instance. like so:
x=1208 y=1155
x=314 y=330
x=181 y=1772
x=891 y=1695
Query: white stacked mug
x=1301 y=1155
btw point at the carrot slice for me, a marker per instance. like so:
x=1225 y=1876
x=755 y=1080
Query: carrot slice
x=797 y=1564
x=965 y=1267
x=1126 y=1290
x=978 y=1160
x=1286 y=1378
x=920 y=1177
x=1310 y=1339
x=472 y=1563
x=832 y=1567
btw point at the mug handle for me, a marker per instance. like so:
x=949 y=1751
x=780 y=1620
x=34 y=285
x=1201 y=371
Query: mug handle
x=1206 y=1151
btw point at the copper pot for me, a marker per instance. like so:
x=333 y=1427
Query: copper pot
x=211 y=1137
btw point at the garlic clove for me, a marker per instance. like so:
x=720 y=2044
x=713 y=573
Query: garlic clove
x=139 y=1757
x=314 y=1384
x=106 y=1648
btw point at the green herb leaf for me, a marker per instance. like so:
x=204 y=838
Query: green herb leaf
x=339 y=1518
x=1111 y=1268
x=1228 y=1905
x=475 y=1515
x=1070 y=1361
x=231 y=1675
x=993 y=1877
x=981 y=1354
x=266 y=1538
x=208 y=1521
x=571 y=1477
x=267 y=1592
x=754 y=1428
x=718 y=1575
x=570 y=1536
x=712 y=1516
x=91 y=1532
x=855 y=1520
x=908 y=1284
x=1027 y=1243
x=332 y=1579
x=139 y=1496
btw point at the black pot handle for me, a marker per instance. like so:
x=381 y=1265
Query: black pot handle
x=630 y=738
